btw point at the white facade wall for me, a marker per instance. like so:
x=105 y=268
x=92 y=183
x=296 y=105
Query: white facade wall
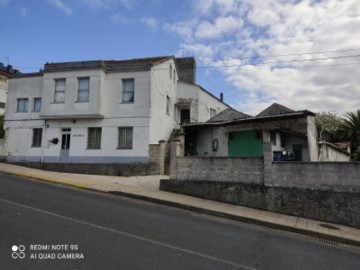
x=329 y=153
x=147 y=115
x=207 y=137
x=3 y=91
x=206 y=103
x=105 y=98
x=201 y=102
x=71 y=106
x=162 y=86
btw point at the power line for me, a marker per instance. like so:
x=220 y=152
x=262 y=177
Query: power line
x=284 y=55
x=280 y=62
x=270 y=62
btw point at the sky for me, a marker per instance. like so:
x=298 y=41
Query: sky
x=301 y=54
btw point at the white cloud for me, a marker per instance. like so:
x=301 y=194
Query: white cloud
x=151 y=22
x=59 y=4
x=221 y=26
x=258 y=31
x=182 y=28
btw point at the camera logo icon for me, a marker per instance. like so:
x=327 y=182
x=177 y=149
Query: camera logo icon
x=18 y=252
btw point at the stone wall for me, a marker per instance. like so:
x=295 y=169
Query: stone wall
x=327 y=191
x=337 y=176
x=245 y=170
x=325 y=205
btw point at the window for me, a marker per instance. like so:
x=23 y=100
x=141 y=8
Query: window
x=128 y=90
x=37 y=105
x=168 y=105
x=174 y=76
x=94 y=138
x=83 y=92
x=37 y=137
x=273 y=137
x=60 y=85
x=125 y=138
x=22 y=105
x=170 y=71
x=212 y=113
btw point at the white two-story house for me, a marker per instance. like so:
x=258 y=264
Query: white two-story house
x=102 y=111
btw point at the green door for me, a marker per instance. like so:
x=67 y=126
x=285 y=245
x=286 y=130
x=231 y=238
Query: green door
x=245 y=144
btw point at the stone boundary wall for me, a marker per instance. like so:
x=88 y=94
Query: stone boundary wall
x=337 y=176
x=245 y=170
x=325 y=205
x=131 y=169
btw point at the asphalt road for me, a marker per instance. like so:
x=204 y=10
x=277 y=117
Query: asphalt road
x=66 y=228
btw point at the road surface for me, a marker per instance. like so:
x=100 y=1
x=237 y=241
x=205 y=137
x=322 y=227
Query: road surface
x=49 y=226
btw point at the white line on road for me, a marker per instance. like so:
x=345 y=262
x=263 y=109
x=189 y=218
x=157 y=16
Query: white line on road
x=237 y=265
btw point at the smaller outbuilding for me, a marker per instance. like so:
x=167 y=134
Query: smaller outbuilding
x=291 y=134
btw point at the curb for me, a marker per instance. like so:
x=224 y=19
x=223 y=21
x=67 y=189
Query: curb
x=201 y=210
x=83 y=186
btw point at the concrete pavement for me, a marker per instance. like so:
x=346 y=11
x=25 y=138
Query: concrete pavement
x=147 y=188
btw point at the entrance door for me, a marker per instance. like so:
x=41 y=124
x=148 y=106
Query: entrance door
x=297 y=149
x=65 y=144
x=245 y=144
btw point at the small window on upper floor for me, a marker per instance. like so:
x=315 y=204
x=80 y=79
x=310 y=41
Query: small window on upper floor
x=22 y=105
x=174 y=76
x=128 y=91
x=37 y=105
x=170 y=72
x=83 y=92
x=59 y=94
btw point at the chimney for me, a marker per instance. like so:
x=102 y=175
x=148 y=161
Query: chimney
x=221 y=96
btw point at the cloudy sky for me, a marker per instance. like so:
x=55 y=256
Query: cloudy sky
x=302 y=54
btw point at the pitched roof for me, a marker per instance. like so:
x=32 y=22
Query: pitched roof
x=275 y=109
x=228 y=115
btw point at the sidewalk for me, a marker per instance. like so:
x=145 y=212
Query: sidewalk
x=147 y=188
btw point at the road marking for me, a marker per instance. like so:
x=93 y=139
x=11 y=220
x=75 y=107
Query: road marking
x=155 y=242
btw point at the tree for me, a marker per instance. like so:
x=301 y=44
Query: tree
x=330 y=125
x=351 y=129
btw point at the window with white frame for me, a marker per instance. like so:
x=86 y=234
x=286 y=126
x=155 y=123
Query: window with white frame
x=83 y=91
x=37 y=105
x=94 y=138
x=59 y=95
x=128 y=90
x=22 y=105
x=125 y=138
x=37 y=137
